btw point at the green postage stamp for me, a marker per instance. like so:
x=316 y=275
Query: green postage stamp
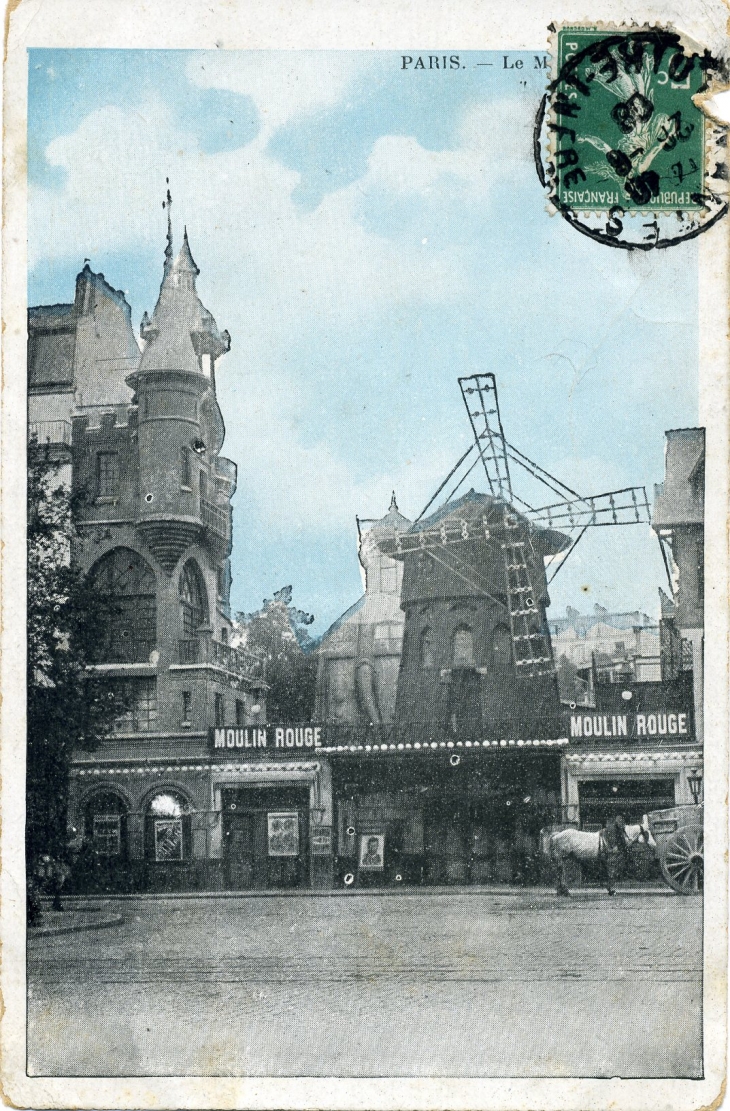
x=624 y=134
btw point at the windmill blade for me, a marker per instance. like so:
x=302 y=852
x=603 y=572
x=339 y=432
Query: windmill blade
x=479 y=393
x=629 y=506
x=563 y=556
x=448 y=478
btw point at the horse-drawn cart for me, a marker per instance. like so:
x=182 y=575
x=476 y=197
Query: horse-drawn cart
x=679 y=837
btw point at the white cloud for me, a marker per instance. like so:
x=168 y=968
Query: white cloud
x=287 y=85
x=490 y=140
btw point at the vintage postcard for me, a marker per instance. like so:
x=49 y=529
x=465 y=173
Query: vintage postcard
x=365 y=579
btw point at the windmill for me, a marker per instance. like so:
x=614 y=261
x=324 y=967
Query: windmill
x=512 y=520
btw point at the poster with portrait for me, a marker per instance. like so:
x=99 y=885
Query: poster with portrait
x=372 y=852
x=283 y=834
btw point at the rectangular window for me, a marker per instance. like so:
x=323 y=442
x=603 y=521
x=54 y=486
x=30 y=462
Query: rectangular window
x=203 y=482
x=140 y=705
x=184 y=467
x=107 y=474
x=168 y=839
x=187 y=707
x=240 y=712
x=620 y=646
x=221 y=581
x=107 y=834
x=219 y=710
x=388 y=579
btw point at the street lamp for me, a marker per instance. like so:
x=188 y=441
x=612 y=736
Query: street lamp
x=694 y=780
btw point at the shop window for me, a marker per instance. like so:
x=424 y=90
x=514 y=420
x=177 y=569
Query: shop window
x=240 y=712
x=463 y=647
x=106 y=825
x=187 y=707
x=127 y=584
x=219 y=710
x=427 y=653
x=193 y=600
x=107 y=474
x=139 y=698
x=167 y=829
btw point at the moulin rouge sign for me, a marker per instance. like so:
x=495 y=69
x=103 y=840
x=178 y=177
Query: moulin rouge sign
x=266 y=738
x=636 y=726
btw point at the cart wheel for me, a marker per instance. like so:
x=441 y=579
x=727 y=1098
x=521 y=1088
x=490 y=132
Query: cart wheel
x=683 y=860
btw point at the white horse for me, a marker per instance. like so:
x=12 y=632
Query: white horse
x=589 y=847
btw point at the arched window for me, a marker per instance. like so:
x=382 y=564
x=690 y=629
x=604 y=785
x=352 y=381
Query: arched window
x=426 y=642
x=105 y=825
x=127 y=583
x=193 y=600
x=463 y=647
x=168 y=836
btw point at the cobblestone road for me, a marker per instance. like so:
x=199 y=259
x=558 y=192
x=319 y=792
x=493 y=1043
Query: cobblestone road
x=396 y=985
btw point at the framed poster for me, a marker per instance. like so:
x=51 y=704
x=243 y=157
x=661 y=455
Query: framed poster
x=168 y=839
x=372 y=851
x=283 y=833
x=107 y=834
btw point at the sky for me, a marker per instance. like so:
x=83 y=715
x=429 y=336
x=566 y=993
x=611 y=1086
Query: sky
x=367 y=234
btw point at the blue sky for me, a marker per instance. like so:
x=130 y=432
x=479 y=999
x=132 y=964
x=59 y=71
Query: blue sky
x=367 y=235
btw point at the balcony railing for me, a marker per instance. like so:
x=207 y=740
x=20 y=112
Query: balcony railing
x=238 y=661
x=215 y=518
x=50 y=432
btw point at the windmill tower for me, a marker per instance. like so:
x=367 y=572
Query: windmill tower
x=477 y=658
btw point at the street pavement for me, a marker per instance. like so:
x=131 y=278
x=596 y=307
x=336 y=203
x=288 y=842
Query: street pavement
x=448 y=984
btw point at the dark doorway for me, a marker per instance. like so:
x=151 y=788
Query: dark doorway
x=265 y=838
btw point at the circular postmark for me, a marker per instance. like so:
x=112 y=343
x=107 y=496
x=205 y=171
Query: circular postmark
x=625 y=152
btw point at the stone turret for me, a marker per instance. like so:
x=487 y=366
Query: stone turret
x=186 y=500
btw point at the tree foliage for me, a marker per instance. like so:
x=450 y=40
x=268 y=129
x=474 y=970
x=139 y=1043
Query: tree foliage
x=279 y=632
x=65 y=621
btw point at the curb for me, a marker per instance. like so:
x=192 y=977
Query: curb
x=368 y=892
x=99 y=923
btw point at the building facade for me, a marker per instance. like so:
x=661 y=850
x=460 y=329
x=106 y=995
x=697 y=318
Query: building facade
x=455 y=784
x=138 y=431
x=610 y=647
x=440 y=746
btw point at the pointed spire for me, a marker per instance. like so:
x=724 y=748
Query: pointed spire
x=167 y=203
x=393 y=504
x=185 y=260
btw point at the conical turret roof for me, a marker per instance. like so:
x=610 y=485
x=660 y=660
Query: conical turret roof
x=393 y=521
x=181 y=329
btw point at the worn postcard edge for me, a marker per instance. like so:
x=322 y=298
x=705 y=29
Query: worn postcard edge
x=344 y=24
